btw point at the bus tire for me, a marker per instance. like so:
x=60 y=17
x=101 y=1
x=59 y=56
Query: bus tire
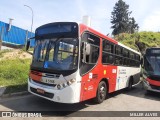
x=130 y=84
x=101 y=92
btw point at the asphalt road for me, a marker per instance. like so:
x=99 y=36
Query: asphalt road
x=135 y=100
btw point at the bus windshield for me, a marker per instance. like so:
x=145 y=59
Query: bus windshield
x=56 y=54
x=153 y=64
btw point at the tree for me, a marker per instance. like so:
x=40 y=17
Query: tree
x=133 y=26
x=120 y=18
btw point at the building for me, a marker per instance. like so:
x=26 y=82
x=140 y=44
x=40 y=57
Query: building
x=14 y=36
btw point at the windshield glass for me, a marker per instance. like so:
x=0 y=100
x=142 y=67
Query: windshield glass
x=57 y=54
x=152 y=64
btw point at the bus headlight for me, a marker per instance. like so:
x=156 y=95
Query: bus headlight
x=72 y=80
x=64 y=85
x=59 y=86
x=68 y=83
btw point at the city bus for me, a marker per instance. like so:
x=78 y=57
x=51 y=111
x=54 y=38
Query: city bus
x=73 y=62
x=151 y=69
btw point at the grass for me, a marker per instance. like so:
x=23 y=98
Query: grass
x=14 y=74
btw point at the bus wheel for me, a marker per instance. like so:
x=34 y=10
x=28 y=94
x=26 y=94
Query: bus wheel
x=130 y=84
x=101 y=92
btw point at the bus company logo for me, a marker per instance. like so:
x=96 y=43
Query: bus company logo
x=90 y=87
x=122 y=71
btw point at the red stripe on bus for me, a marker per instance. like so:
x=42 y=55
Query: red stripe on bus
x=34 y=76
x=153 y=82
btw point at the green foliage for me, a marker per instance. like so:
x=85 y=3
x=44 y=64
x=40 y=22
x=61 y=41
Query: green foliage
x=141 y=40
x=121 y=20
x=133 y=26
x=14 y=72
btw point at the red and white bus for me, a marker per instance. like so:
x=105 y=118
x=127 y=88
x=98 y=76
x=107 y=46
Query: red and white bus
x=151 y=69
x=73 y=63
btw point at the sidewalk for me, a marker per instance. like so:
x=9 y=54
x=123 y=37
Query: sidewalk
x=2 y=90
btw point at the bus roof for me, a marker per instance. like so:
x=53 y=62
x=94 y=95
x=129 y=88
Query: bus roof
x=152 y=51
x=129 y=48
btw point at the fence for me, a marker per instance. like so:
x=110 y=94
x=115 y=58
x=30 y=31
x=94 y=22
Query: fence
x=15 y=35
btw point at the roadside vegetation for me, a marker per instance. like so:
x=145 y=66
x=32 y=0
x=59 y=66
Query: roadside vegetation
x=125 y=29
x=140 y=41
x=14 y=70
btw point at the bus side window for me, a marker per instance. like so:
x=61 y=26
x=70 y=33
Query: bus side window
x=107 y=47
x=107 y=52
x=118 y=55
x=94 y=43
x=107 y=58
x=93 y=57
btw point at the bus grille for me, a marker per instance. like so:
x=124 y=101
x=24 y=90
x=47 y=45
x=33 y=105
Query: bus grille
x=46 y=94
x=52 y=75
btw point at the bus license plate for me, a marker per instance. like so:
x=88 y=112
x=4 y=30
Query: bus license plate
x=49 y=81
x=40 y=91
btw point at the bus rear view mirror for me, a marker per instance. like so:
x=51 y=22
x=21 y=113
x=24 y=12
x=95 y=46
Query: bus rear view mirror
x=87 y=49
x=27 y=45
x=141 y=62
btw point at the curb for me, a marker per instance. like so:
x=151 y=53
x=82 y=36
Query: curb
x=14 y=94
x=2 y=90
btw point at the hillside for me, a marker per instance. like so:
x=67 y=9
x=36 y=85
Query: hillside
x=142 y=39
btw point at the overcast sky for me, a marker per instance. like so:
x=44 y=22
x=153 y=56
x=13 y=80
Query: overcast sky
x=145 y=12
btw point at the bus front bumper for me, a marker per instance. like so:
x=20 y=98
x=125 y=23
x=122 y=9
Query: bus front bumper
x=65 y=95
x=148 y=87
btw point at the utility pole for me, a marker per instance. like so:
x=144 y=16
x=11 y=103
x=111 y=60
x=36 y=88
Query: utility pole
x=32 y=18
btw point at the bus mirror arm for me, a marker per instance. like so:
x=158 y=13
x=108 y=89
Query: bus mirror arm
x=28 y=43
x=142 y=62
